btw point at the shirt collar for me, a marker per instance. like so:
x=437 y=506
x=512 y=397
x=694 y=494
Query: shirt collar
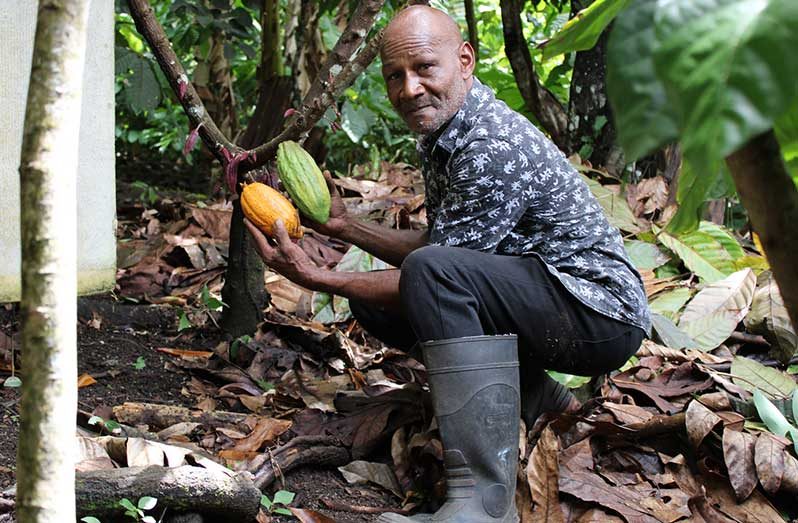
x=447 y=136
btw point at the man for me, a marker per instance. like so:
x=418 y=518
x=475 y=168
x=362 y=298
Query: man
x=518 y=263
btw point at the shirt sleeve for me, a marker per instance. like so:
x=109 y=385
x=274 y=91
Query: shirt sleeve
x=491 y=187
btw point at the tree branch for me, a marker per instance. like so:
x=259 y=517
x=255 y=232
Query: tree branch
x=544 y=105
x=471 y=20
x=769 y=194
x=323 y=92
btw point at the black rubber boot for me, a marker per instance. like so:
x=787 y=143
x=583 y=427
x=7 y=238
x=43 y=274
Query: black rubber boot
x=475 y=394
x=541 y=393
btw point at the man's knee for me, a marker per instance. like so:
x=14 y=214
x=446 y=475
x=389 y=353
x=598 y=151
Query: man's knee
x=419 y=268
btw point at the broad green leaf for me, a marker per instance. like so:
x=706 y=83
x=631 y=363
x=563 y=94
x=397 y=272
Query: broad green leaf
x=89 y=519
x=283 y=497
x=142 y=92
x=773 y=418
x=147 y=502
x=669 y=303
x=266 y=502
x=128 y=505
x=718 y=308
x=569 y=380
x=701 y=253
x=769 y=317
x=615 y=206
x=751 y=375
x=643 y=118
x=728 y=67
x=645 y=255
x=584 y=29
x=724 y=237
x=332 y=309
x=356 y=121
x=184 y=322
x=669 y=334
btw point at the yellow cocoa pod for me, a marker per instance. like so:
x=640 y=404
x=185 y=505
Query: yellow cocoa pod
x=263 y=206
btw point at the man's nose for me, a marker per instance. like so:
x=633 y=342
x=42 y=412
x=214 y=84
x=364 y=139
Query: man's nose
x=412 y=87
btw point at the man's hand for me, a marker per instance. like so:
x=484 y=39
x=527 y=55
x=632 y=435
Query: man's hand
x=286 y=257
x=338 y=216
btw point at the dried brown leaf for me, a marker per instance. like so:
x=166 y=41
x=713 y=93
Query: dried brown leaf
x=84 y=380
x=309 y=516
x=789 y=481
x=738 y=453
x=266 y=431
x=626 y=414
x=769 y=459
x=699 y=421
x=542 y=474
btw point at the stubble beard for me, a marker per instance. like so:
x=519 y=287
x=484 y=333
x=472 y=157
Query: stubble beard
x=445 y=110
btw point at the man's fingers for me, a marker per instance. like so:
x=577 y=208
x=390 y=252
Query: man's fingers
x=262 y=243
x=330 y=183
x=281 y=235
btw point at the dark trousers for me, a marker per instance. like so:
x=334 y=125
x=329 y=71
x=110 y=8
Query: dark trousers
x=450 y=292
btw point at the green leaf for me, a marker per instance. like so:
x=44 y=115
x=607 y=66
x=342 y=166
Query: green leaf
x=356 y=121
x=670 y=335
x=728 y=68
x=718 y=308
x=691 y=195
x=139 y=363
x=284 y=497
x=615 y=206
x=754 y=375
x=148 y=519
x=643 y=117
x=12 y=382
x=128 y=505
x=569 y=380
x=793 y=369
x=584 y=29
x=669 y=303
x=795 y=406
x=701 y=253
x=184 y=322
x=645 y=255
x=773 y=418
x=94 y=420
x=142 y=92
x=266 y=502
x=724 y=237
x=283 y=511
x=90 y=519
x=147 y=502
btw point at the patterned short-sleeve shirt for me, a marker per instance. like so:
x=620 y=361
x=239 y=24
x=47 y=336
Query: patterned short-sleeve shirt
x=495 y=183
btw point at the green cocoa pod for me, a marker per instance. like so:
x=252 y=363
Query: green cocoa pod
x=303 y=180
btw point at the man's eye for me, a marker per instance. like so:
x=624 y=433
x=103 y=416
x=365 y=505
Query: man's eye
x=424 y=67
x=393 y=76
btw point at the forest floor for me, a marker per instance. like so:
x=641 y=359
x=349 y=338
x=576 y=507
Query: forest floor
x=109 y=350
x=673 y=435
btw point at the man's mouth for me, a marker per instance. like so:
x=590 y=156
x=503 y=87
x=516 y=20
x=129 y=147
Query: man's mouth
x=416 y=110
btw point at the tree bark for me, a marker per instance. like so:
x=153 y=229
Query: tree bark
x=769 y=195
x=48 y=310
x=539 y=100
x=471 y=20
x=209 y=492
x=590 y=119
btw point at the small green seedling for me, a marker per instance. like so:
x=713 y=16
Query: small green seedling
x=139 y=363
x=234 y=347
x=184 y=322
x=282 y=498
x=136 y=512
x=110 y=425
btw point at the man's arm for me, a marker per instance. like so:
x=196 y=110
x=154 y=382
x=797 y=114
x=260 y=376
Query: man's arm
x=389 y=245
x=287 y=258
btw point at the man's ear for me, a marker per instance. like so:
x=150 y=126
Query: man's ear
x=467 y=60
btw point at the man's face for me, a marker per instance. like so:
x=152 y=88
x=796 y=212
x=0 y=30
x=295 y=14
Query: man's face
x=426 y=79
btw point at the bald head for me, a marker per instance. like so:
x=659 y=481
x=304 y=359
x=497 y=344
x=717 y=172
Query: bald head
x=426 y=66
x=422 y=21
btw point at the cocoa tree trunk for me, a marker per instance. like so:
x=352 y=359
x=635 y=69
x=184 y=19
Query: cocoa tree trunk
x=48 y=203
x=471 y=20
x=769 y=195
x=591 y=126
